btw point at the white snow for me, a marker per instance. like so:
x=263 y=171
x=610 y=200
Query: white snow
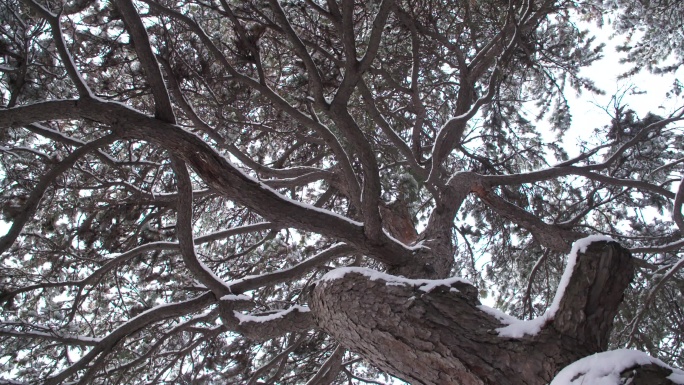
x=269 y=317
x=425 y=285
x=498 y=314
x=518 y=328
x=233 y=297
x=417 y=246
x=605 y=368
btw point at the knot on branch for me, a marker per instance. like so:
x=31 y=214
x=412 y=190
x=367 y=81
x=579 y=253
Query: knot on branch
x=592 y=296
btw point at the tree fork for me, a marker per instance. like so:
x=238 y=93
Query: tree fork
x=444 y=337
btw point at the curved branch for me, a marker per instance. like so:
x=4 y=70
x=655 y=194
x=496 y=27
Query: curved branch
x=141 y=43
x=36 y=195
x=550 y=236
x=284 y=275
x=218 y=173
x=186 y=240
x=131 y=326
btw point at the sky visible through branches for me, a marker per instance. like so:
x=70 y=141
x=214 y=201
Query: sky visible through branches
x=278 y=191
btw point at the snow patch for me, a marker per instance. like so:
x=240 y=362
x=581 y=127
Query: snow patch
x=269 y=317
x=233 y=297
x=498 y=314
x=605 y=368
x=417 y=246
x=425 y=285
x=518 y=328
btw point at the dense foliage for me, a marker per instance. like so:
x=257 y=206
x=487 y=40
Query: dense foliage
x=404 y=116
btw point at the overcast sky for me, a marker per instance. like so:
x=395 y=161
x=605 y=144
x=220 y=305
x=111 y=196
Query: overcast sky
x=586 y=108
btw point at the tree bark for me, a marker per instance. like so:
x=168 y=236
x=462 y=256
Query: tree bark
x=444 y=337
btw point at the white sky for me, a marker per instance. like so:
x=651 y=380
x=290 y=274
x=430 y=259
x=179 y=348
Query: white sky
x=586 y=108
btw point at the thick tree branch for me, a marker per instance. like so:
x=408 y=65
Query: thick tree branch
x=141 y=42
x=409 y=327
x=186 y=240
x=217 y=172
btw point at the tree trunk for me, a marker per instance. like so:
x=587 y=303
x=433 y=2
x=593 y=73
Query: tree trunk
x=443 y=337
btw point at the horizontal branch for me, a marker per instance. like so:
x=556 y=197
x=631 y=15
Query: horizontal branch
x=278 y=276
x=51 y=336
x=216 y=171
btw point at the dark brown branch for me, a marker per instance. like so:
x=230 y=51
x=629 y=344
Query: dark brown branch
x=141 y=42
x=288 y=274
x=186 y=240
x=550 y=236
x=217 y=172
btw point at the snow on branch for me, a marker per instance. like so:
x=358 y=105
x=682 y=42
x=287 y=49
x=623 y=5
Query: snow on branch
x=518 y=328
x=265 y=326
x=425 y=285
x=611 y=368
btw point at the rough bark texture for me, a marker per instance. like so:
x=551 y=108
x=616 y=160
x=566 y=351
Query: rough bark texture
x=442 y=336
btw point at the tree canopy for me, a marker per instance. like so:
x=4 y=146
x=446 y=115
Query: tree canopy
x=178 y=176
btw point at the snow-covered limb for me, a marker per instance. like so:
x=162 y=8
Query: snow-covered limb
x=184 y=232
x=609 y=368
x=425 y=285
x=270 y=316
x=518 y=328
x=449 y=329
x=262 y=327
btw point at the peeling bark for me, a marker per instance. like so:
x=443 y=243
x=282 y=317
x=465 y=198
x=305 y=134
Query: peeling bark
x=443 y=337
